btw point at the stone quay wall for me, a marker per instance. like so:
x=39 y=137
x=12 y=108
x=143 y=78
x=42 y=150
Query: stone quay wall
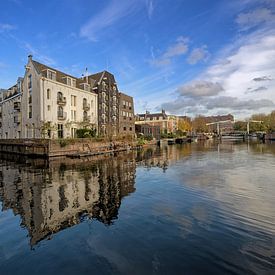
x=63 y=147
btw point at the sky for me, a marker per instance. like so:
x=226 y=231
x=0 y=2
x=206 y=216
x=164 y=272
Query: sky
x=187 y=57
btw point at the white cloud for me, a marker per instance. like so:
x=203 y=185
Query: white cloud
x=150 y=8
x=6 y=27
x=197 y=55
x=180 y=47
x=37 y=54
x=238 y=70
x=112 y=13
x=254 y=18
x=200 y=89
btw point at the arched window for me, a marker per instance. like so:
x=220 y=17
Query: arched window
x=59 y=96
x=84 y=101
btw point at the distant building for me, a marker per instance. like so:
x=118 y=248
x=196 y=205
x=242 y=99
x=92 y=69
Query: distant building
x=10 y=111
x=148 y=130
x=164 y=121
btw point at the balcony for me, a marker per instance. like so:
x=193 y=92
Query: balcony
x=86 y=118
x=61 y=101
x=17 y=105
x=61 y=115
x=86 y=106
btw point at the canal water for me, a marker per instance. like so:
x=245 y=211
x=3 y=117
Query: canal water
x=202 y=208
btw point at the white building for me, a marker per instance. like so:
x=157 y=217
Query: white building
x=47 y=103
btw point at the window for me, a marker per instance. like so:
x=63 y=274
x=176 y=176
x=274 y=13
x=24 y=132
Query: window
x=30 y=111
x=72 y=115
x=48 y=93
x=130 y=128
x=51 y=75
x=85 y=115
x=124 y=128
x=60 y=111
x=49 y=107
x=73 y=132
x=60 y=130
x=74 y=82
x=59 y=96
x=69 y=81
x=30 y=81
x=73 y=100
x=85 y=104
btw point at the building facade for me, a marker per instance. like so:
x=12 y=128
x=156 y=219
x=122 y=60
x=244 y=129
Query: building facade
x=147 y=130
x=104 y=85
x=47 y=103
x=126 y=115
x=10 y=111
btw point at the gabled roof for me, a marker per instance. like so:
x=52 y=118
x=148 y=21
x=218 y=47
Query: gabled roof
x=41 y=68
x=93 y=79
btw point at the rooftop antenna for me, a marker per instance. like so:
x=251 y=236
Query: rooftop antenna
x=86 y=74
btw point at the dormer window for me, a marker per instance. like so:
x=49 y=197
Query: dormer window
x=74 y=82
x=85 y=86
x=51 y=74
x=69 y=81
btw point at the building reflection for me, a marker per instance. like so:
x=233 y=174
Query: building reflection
x=52 y=199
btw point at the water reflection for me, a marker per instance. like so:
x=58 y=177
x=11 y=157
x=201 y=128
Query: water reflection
x=204 y=206
x=53 y=195
x=52 y=199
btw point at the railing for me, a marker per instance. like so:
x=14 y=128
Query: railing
x=86 y=118
x=61 y=115
x=61 y=100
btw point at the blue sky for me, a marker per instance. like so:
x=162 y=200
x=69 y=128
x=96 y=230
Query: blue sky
x=188 y=57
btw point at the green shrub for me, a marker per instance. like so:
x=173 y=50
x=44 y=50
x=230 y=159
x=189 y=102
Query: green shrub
x=85 y=133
